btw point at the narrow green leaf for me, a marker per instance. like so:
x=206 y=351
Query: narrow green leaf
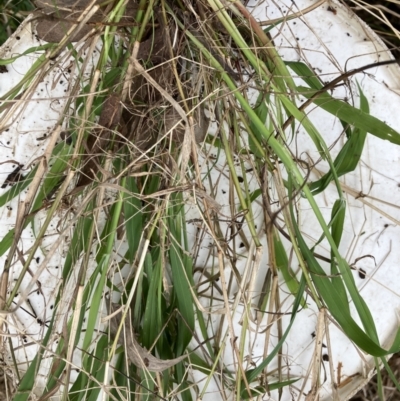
x=79 y=242
x=133 y=218
x=350 y=154
x=391 y=374
x=306 y=74
x=261 y=111
x=282 y=263
x=307 y=125
x=94 y=294
x=252 y=374
x=334 y=301
x=345 y=162
x=182 y=275
x=27 y=383
x=350 y=114
x=26 y=52
x=337 y=225
x=260 y=391
x=152 y=324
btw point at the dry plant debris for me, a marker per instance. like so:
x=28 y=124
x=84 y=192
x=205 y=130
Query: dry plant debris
x=150 y=105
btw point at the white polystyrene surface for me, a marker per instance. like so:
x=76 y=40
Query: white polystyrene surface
x=329 y=42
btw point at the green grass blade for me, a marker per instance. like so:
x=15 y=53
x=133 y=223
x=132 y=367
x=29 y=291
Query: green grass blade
x=92 y=299
x=350 y=154
x=152 y=323
x=28 y=381
x=260 y=391
x=181 y=267
x=351 y=115
x=133 y=217
x=252 y=374
x=306 y=74
x=79 y=242
x=337 y=304
x=337 y=225
x=282 y=263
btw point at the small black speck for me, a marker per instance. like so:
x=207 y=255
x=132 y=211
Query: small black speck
x=294 y=23
x=332 y=10
x=241 y=245
x=240 y=179
x=386 y=225
x=3 y=69
x=38 y=259
x=361 y=273
x=224 y=192
x=348 y=34
x=18 y=37
x=61 y=82
x=325 y=357
x=56 y=267
x=297 y=39
x=51 y=306
x=313 y=334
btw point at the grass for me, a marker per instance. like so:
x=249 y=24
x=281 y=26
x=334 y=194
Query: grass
x=12 y=14
x=120 y=185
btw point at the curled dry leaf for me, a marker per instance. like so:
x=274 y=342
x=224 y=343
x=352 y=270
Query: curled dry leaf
x=138 y=355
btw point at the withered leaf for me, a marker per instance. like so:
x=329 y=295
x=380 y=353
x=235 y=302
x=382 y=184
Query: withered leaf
x=69 y=4
x=138 y=355
x=61 y=15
